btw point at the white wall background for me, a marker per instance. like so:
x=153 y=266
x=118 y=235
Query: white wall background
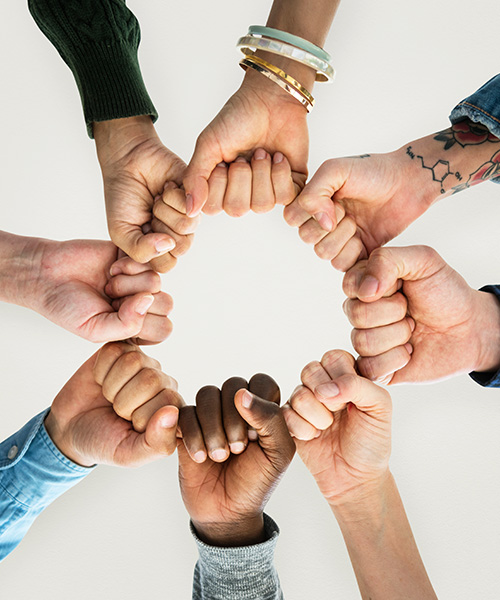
x=251 y=297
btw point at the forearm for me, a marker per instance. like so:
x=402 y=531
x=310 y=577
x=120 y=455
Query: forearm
x=19 y=268
x=449 y=161
x=381 y=546
x=33 y=473
x=98 y=40
x=245 y=572
x=308 y=19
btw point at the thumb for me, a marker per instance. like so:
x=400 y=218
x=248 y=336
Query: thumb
x=121 y=325
x=269 y=423
x=142 y=247
x=382 y=273
x=316 y=197
x=205 y=158
x=160 y=437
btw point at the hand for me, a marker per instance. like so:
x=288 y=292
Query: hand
x=258 y=116
x=137 y=425
x=73 y=288
x=256 y=185
x=225 y=494
x=342 y=428
x=416 y=319
x=380 y=194
x=135 y=167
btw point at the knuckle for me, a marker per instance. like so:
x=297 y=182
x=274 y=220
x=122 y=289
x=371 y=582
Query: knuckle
x=360 y=340
x=368 y=368
x=132 y=360
x=310 y=370
x=183 y=244
x=339 y=358
x=300 y=398
x=121 y=410
x=323 y=251
x=151 y=377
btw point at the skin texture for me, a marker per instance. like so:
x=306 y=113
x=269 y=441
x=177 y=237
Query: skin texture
x=417 y=320
x=342 y=428
x=84 y=287
x=86 y=426
x=135 y=168
x=225 y=493
x=260 y=115
x=382 y=194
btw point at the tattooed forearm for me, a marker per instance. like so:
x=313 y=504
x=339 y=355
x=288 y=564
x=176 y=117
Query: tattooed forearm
x=488 y=170
x=465 y=133
x=440 y=168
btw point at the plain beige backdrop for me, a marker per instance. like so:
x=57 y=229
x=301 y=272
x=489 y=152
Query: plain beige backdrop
x=251 y=297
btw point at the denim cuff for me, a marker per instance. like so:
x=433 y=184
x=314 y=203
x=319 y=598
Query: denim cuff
x=240 y=573
x=483 y=106
x=488 y=378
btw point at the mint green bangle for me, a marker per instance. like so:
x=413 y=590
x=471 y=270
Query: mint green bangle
x=289 y=38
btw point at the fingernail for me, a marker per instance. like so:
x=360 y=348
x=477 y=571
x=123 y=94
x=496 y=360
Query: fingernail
x=411 y=323
x=219 y=455
x=253 y=435
x=237 y=447
x=324 y=220
x=199 y=456
x=317 y=435
x=115 y=270
x=144 y=304
x=409 y=348
x=169 y=420
x=170 y=184
x=157 y=198
x=222 y=165
x=163 y=246
x=328 y=390
x=277 y=158
x=189 y=204
x=260 y=154
x=241 y=159
x=368 y=288
x=246 y=399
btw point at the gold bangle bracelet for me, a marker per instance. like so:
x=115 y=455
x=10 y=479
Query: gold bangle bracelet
x=247 y=62
x=280 y=73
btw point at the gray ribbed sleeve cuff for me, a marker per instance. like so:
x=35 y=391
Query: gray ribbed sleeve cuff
x=242 y=573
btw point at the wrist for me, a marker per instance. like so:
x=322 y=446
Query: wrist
x=117 y=137
x=62 y=440
x=20 y=272
x=244 y=532
x=363 y=502
x=487 y=331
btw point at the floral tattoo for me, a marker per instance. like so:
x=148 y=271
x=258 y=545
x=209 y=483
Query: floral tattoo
x=489 y=170
x=465 y=133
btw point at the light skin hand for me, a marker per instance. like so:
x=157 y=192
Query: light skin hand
x=261 y=115
x=384 y=193
x=342 y=428
x=226 y=471
x=135 y=168
x=70 y=283
x=85 y=426
x=256 y=185
x=417 y=320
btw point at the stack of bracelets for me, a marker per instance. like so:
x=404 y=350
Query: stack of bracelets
x=290 y=46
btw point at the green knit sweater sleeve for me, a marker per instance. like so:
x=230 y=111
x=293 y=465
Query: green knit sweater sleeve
x=98 y=40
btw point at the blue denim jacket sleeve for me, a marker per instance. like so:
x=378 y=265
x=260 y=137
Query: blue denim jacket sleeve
x=33 y=473
x=483 y=106
x=488 y=378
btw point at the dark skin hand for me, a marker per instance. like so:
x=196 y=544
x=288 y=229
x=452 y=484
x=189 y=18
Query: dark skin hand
x=226 y=478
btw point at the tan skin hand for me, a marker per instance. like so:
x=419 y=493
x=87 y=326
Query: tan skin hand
x=135 y=167
x=85 y=427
